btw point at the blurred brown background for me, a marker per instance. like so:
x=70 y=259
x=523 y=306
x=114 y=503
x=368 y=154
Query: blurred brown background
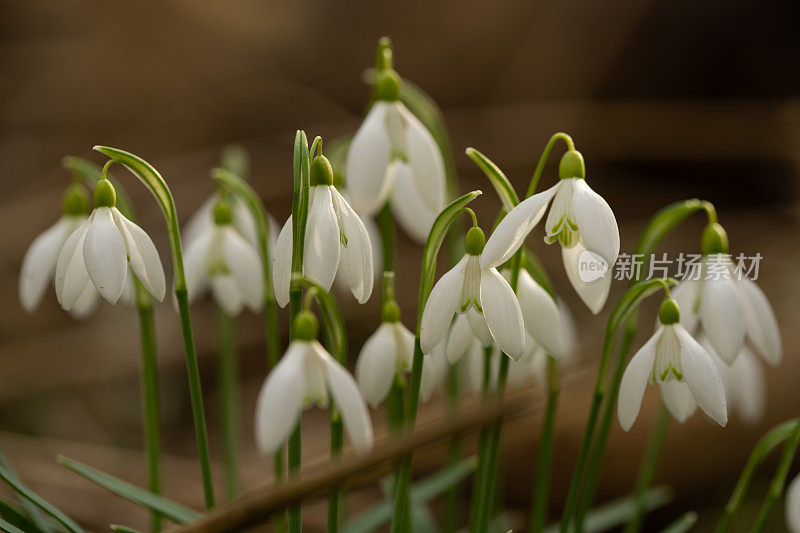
x=666 y=100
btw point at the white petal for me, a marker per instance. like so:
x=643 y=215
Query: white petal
x=570 y=341
x=426 y=161
x=377 y=365
x=594 y=293
x=762 y=327
x=282 y=264
x=510 y=233
x=142 y=255
x=197 y=260
x=701 y=375
x=746 y=387
x=723 y=318
x=280 y=400
x=409 y=208
x=321 y=253
x=793 y=506
x=86 y=303
x=596 y=222
x=429 y=379
x=460 y=338
x=634 y=381
x=201 y=220
x=227 y=294
x=128 y=296
x=316 y=381
x=475 y=364
x=245 y=267
x=678 y=399
x=405 y=347
x=244 y=222
x=441 y=306
x=71 y=274
x=348 y=400
x=685 y=293
x=356 y=256
x=502 y=312
x=367 y=158
x=39 y=263
x=105 y=256
x=542 y=316
x=479 y=327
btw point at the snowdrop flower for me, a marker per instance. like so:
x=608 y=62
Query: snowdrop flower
x=728 y=307
x=39 y=264
x=475 y=288
x=543 y=318
x=745 y=383
x=387 y=355
x=394 y=158
x=307 y=374
x=793 y=506
x=580 y=219
x=682 y=368
x=101 y=249
x=221 y=259
x=335 y=240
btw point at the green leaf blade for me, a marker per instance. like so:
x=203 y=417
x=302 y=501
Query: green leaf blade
x=508 y=196
x=39 y=502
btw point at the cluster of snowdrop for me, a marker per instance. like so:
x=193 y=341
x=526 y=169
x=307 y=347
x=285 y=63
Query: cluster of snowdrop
x=488 y=310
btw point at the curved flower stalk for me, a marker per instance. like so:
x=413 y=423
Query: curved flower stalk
x=394 y=158
x=222 y=260
x=475 y=288
x=39 y=264
x=308 y=374
x=793 y=506
x=100 y=250
x=677 y=362
x=726 y=305
x=335 y=240
x=580 y=219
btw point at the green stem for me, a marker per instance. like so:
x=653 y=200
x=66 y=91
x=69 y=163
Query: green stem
x=196 y=395
x=451 y=506
x=543 y=466
x=768 y=442
x=778 y=481
x=537 y=173
x=295 y=440
x=229 y=400
x=647 y=468
x=150 y=396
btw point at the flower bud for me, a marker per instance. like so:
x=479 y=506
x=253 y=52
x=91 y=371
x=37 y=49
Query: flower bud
x=474 y=241
x=321 y=171
x=572 y=166
x=714 y=240
x=222 y=213
x=104 y=194
x=306 y=326
x=76 y=201
x=669 y=313
x=387 y=88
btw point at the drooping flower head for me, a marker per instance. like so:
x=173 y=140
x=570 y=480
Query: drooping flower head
x=579 y=219
x=100 y=251
x=39 y=264
x=475 y=288
x=726 y=305
x=683 y=369
x=308 y=374
x=221 y=259
x=335 y=240
x=394 y=158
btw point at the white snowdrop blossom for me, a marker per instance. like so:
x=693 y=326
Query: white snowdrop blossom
x=394 y=158
x=308 y=374
x=745 y=383
x=100 y=251
x=202 y=221
x=335 y=240
x=793 y=506
x=543 y=317
x=580 y=219
x=682 y=368
x=729 y=308
x=222 y=260
x=475 y=288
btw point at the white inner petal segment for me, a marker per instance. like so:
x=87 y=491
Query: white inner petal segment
x=560 y=224
x=471 y=289
x=667 y=365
